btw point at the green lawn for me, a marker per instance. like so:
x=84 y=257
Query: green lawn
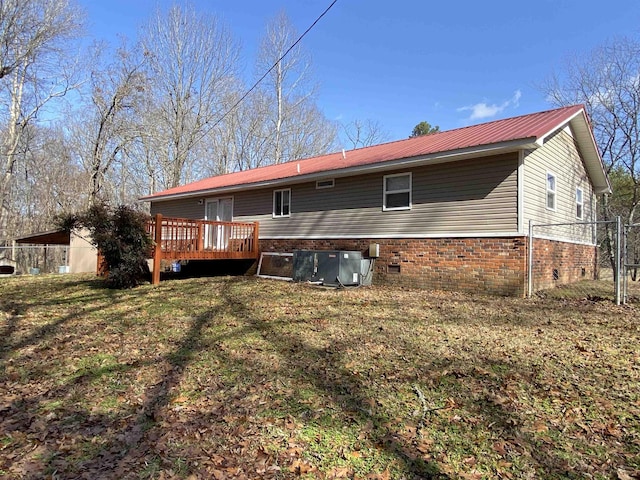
x=247 y=378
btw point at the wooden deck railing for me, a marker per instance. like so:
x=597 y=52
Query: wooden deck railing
x=186 y=239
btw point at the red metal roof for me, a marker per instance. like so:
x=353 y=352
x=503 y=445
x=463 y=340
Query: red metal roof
x=527 y=127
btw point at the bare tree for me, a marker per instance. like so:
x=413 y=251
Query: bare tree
x=47 y=181
x=297 y=127
x=241 y=142
x=309 y=132
x=147 y=153
x=107 y=125
x=33 y=28
x=193 y=62
x=35 y=71
x=607 y=81
x=364 y=133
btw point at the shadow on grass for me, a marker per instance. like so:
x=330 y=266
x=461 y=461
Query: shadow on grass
x=129 y=440
x=17 y=302
x=125 y=439
x=325 y=370
x=136 y=441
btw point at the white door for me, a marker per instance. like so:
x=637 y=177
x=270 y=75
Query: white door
x=220 y=210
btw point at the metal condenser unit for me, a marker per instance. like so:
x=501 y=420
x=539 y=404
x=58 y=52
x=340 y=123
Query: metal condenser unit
x=329 y=267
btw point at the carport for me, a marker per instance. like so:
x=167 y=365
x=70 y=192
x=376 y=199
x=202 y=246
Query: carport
x=79 y=254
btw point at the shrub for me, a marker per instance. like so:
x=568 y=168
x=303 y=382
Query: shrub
x=121 y=237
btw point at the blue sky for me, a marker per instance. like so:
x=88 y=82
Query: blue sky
x=451 y=63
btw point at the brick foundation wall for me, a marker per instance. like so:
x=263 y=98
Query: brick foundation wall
x=491 y=265
x=558 y=263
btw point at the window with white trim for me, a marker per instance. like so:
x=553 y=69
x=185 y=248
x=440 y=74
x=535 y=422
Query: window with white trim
x=551 y=191
x=397 y=192
x=281 y=203
x=330 y=183
x=579 y=203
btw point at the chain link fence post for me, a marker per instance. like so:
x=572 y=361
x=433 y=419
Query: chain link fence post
x=619 y=264
x=582 y=259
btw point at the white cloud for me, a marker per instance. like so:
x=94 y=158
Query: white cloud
x=482 y=110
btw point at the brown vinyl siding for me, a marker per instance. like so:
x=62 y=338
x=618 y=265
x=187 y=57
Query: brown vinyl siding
x=476 y=196
x=180 y=208
x=560 y=156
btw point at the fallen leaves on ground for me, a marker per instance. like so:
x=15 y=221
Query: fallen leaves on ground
x=232 y=378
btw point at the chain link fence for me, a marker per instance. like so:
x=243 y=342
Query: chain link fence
x=592 y=260
x=631 y=263
x=41 y=259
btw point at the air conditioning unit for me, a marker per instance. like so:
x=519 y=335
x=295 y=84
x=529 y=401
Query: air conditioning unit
x=331 y=267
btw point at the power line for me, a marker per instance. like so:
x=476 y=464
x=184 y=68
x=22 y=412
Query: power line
x=274 y=65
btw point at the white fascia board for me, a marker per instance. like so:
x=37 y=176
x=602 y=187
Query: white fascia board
x=433 y=159
x=540 y=141
x=394 y=236
x=583 y=135
x=591 y=155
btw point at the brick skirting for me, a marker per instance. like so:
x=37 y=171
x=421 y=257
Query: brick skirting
x=557 y=263
x=491 y=265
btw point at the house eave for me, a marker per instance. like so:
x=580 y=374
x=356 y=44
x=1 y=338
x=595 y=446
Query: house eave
x=431 y=159
x=51 y=237
x=583 y=135
x=591 y=155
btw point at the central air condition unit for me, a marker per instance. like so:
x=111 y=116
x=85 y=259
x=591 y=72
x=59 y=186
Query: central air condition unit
x=329 y=267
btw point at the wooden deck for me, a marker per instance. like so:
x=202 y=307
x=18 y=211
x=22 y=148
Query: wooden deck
x=185 y=239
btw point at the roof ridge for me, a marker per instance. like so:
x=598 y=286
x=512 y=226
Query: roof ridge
x=391 y=142
x=534 y=114
x=475 y=125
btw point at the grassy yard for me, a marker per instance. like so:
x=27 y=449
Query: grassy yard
x=246 y=378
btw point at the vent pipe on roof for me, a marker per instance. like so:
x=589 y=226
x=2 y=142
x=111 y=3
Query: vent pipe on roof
x=344 y=154
x=298 y=167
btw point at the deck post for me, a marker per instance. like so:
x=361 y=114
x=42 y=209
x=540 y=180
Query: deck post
x=100 y=268
x=157 y=250
x=201 y=231
x=256 y=241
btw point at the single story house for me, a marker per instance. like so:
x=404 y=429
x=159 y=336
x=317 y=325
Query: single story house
x=449 y=210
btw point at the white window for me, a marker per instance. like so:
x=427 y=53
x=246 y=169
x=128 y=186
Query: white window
x=282 y=203
x=579 y=203
x=397 y=192
x=551 y=191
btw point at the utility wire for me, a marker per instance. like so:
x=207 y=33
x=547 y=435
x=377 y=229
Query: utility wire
x=274 y=65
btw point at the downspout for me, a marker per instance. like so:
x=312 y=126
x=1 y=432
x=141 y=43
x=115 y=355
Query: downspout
x=530 y=261
x=520 y=206
x=520 y=213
